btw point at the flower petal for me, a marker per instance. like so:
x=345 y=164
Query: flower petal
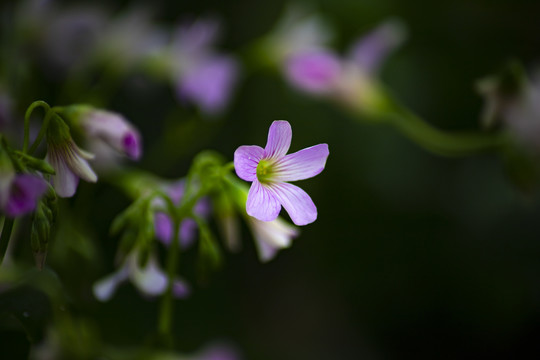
x=104 y=289
x=314 y=72
x=181 y=289
x=131 y=145
x=246 y=159
x=76 y=160
x=163 y=227
x=188 y=227
x=279 y=139
x=296 y=201
x=270 y=236
x=64 y=181
x=302 y=164
x=261 y=202
x=371 y=50
x=150 y=280
x=209 y=84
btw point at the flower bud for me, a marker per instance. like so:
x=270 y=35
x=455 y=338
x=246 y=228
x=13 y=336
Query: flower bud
x=67 y=159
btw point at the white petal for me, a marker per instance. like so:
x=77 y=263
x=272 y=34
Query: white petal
x=104 y=289
x=64 y=181
x=149 y=280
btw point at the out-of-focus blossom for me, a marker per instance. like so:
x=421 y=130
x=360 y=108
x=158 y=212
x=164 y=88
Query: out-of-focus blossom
x=130 y=39
x=370 y=51
x=70 y=35
x=108 y=135
x=163 y=224
x=67 y=159
x=351 y=80
x=111 y=128
x=513 y=101
x=271 y=236
x=299 y=31
x=209 y=84
x=315 y=71
x=150 y=280
x=19 y=193
x=24 y=193
x=201 y=75
x=270 y=169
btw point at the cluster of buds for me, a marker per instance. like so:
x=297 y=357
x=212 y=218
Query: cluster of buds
x=24 y=186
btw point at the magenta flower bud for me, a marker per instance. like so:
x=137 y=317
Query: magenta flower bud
x=270 y=169
x=315 y=72
x=114 y=130
x=25 y=192
x=19 y=193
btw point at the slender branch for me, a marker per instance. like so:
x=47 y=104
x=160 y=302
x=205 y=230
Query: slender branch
x=42 y=131
x=441 y=142
x=31 y=108
x=167 y=302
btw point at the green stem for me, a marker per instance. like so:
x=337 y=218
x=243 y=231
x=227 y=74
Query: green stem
x=7 y=228
x=42 y=131
x=167 y=302
x=444 y=143
x=31 y=108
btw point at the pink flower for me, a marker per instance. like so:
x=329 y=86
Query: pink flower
x=270 y=169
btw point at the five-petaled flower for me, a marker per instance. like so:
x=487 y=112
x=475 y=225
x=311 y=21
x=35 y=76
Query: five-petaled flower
x=270 y=169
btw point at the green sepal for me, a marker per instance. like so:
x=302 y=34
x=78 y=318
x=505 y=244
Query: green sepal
x=35 y=163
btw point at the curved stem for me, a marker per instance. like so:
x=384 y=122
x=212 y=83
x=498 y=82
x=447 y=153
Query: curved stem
x=440 y=142
x=42 y=131
x=7 y=228
x=444 y=143
x=31 y=108
x=167 y=302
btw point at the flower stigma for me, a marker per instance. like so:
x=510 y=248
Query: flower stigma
x=265 y=171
